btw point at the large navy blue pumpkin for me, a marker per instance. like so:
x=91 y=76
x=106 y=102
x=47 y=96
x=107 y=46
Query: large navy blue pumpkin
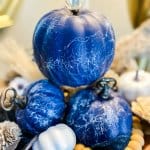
x=101 y=123
x=73 y=49
x=45 y=107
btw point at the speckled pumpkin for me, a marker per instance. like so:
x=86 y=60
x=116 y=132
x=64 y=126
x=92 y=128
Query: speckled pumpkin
x=73 y=49
x=100 y=123
x=45 y=107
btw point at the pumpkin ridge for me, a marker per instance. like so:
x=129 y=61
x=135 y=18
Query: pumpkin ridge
x=22 y=122
x=34 y=124
x=42 y=21
x=51 y=73
x=31 y=107
x=27 y=114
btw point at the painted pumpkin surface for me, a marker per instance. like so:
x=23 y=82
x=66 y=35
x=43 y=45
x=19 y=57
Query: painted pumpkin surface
x=45 y=107
x=73 y=49
x=100 y=123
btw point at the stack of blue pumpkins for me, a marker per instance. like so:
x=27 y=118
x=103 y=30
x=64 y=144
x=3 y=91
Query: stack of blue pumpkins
x=74 y=48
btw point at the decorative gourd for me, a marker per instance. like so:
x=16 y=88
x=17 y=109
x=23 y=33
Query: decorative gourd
x=59 y=137
x=132 y=87
x=45 y=107
x=73 y=47
x=100 y=119
x=19 y=84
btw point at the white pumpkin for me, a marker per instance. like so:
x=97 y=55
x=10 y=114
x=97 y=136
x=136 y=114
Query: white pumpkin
x=19 y=84
x=131 y=89
x=59 y=137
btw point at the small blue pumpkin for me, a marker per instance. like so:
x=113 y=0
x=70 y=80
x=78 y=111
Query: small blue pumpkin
x=98 y=122
x=73 y=48
x=45 y=107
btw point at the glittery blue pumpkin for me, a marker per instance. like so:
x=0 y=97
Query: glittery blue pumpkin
x=73 y=49
x=98 y=122
x=45 y=107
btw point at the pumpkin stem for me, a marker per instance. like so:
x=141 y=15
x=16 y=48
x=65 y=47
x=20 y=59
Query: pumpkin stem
x=74 y=5
x=143 y=62
x=9 y=99
x=75 y=12
x=104 y=85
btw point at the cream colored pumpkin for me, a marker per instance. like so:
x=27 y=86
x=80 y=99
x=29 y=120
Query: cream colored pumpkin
x=59 y=137
x=131 y=88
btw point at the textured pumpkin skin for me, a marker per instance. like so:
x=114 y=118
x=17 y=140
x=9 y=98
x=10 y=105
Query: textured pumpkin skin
x=105 y=124
x=73 y=50
x=45 y=107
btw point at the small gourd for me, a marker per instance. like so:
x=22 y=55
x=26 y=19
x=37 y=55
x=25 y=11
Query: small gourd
x=100 y=117
x=45 y=107
x=19 y=84
x=73 y=46
x=59 y=137
x=133 y=85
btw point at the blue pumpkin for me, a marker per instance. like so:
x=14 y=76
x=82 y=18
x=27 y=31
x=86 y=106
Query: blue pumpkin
x=73 y=49
x=45 y=107
x=98 y=122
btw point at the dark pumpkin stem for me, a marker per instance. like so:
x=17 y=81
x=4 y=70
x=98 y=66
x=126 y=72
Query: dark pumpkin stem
x=104 y=85
x=74 y=6
x=75 y=12
x=9 y=100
